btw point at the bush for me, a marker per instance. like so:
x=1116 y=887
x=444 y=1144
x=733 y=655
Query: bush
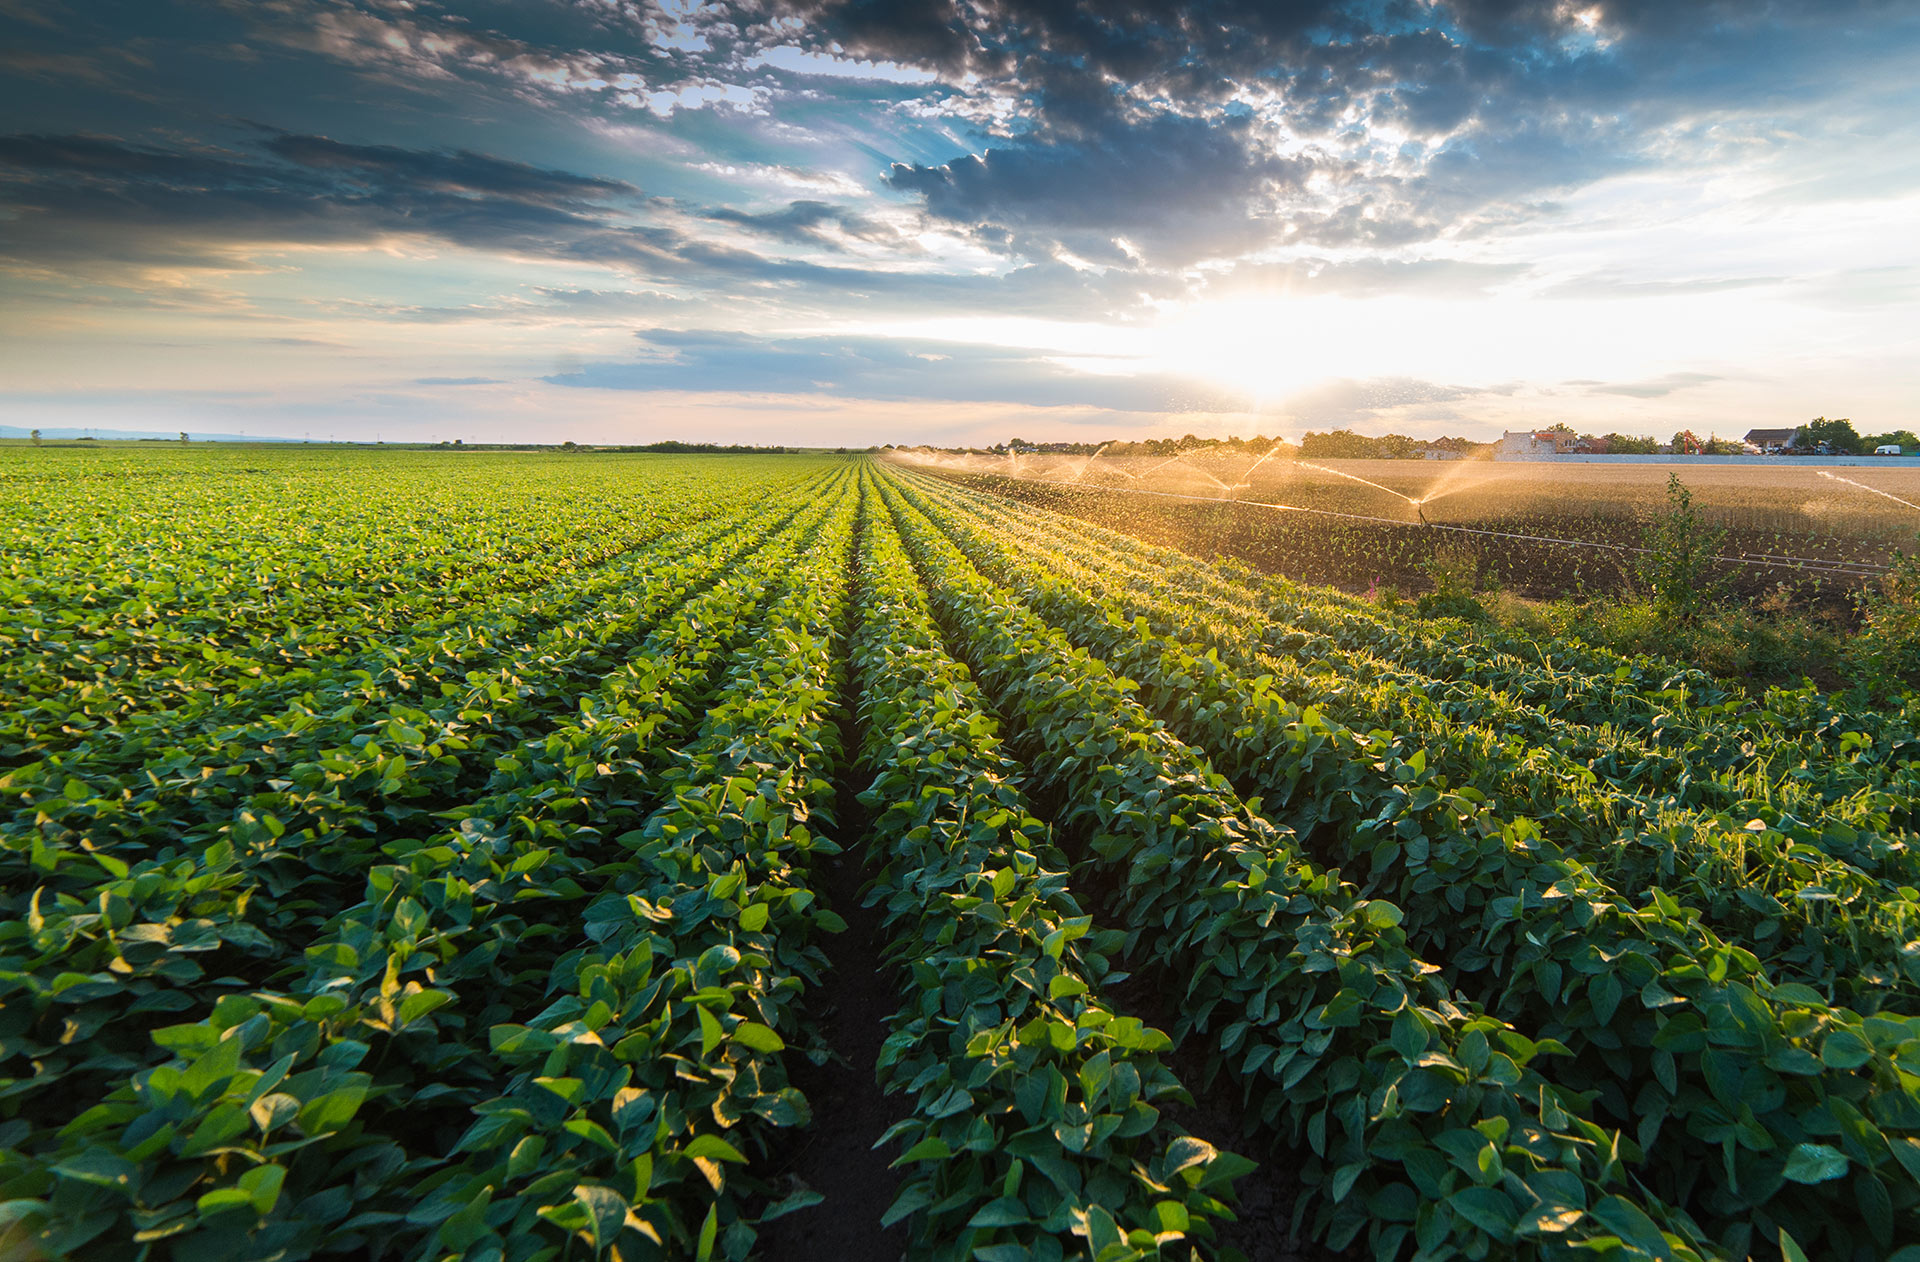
x=1677 y=567
x=1454 y=571
x=1886 y=651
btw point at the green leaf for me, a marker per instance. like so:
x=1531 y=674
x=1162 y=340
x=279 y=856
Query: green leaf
x=758 y=1037
x=1188 y=1151
x=1489 y=1209
x=913 y=1198
x=467 y=1224
x=802 y=1197
x=419 y=1004
x=98 y=1166
x=753 y=917
x=1845 y=1050
x=932 y=1148
x=1380 y=914
x=1814 y=1163
x=1170 y=1217
x=1008 y=1211
x=711 y=1035
x=593 y=1133
x=606 y=1212
x=709 y=1229
x=224 y=1200
x=333 y=1110
x=262 y=1186
x=1628 y=1221
x=713 y=1148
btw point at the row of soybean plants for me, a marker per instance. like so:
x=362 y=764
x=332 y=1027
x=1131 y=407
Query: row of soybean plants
x=371 y=1080
x=1822 y=900
x=221 y=856
x=1747 y=1095
x=1819 y=899
x=168 y=640
x=1848 y=743
x=1670 y=719
x=1035 y=1128
x=1802 y=742
x=1429 y=1124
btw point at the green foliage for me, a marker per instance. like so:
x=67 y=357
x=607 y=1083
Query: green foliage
x=437 y=879
x=1455 y=574
x=1677 y=564
x=1445 y=856
x=1837 y=433
x=1887 y=649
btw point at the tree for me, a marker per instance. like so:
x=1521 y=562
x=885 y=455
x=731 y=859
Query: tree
x=1686 y=443
x=1717 y=446
x=1902 y=438
x=1631 y=445
x=36 y=437
x=1838 y=434
x=183 y=436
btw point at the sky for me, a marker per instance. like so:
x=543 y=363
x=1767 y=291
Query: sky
x=957 y=221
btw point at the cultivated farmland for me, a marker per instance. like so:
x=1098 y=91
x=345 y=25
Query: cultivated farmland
x=1538 y=529
x=495 y=856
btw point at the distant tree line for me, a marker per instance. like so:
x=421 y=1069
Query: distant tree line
x=1839 y=437
x=674 y=445
x=1339 y=444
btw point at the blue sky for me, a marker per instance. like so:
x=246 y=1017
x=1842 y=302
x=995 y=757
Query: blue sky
x=956 y=220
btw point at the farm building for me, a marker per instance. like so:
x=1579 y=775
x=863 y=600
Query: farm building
x=1769 y=441
x=1541 y=442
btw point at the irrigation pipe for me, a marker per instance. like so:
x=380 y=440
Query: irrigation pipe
x=1851 y=569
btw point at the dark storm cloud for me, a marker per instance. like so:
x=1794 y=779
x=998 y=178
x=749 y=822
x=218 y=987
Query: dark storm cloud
x=96 y=204
x=78 y=198
x=805 y=221
x=886 y=369
x=1186 y=187
x=463 y=173
x=1166 y=121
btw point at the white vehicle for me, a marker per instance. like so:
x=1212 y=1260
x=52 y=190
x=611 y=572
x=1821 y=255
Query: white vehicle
x=1887 y=449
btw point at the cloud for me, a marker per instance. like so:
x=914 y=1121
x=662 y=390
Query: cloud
x=887 y=369
x=808 y=221
x=1182 y=188
x=1346 y=402
x=112 y=209
x=1613 y=285
x=1656 y=388
x=80 y=199
x=1366 y=278
x=459 y=381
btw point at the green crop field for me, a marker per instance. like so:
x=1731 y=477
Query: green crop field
x=434 y=855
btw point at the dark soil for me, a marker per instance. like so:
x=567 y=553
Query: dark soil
x=835 y=1155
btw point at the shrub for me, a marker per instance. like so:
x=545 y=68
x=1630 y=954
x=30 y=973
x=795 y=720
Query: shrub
x=1887 y=649
x=1677 y=567
x=1454 y=571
